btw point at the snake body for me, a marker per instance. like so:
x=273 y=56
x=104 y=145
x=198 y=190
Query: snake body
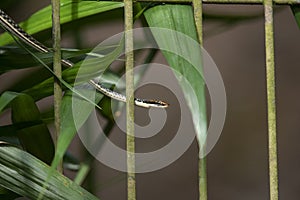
x=11 y=26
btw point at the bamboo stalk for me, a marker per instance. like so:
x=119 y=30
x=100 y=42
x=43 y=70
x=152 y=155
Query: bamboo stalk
x=270 y=76
x=131 y=185
x=197 y=5
x=57 y=70
x=202 y=178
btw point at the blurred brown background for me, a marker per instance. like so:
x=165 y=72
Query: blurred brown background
x=237 y=166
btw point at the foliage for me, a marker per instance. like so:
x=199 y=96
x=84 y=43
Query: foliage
x=24 y=172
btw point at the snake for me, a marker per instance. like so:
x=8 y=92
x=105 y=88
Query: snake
x=13 y=28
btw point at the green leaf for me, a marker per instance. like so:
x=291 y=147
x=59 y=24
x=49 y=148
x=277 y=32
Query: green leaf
x=82 y=173
x=6 y=98
x=90 y=68
x=9 y=62
x=25 y=175
x=183 y=57
x=70 y=121
x=296 y=11
x=8 y=131
x=70 y=10
x=7 y=194
x=62 y=81
x=35 y=138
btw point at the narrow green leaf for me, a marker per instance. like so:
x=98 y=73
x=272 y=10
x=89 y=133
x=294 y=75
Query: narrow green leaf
x=9 y=62
x=61 y=80
x=70 y=10
x=90 y=68
x=36 y=139
x=25 y=175
x=82 y=173
x=189 y=75
x=70 y=121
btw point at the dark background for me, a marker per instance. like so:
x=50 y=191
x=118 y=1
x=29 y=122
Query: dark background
x=237 y=166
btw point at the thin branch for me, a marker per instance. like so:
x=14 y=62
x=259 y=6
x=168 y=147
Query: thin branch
x=198 y=16
x=131 y=186
x=270 y=75
x=57 y=70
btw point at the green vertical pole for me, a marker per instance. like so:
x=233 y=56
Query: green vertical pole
x=130 y=143
x=202 y=174
x=57 y=70
x=270 y=76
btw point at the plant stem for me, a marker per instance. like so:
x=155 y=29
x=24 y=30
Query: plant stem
x=202 y=178
x=198 y=16
x=131 y=187
x=197 y=6
x=270 y=76
x=57 y=70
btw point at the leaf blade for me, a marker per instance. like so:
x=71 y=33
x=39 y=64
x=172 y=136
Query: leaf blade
x=70 y=10
x=179 y=18
x=29 y=175
x=35 y=138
